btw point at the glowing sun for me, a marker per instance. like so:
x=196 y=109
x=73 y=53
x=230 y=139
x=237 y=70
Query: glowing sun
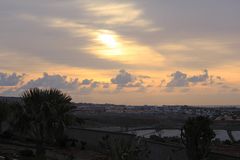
x=108 y=40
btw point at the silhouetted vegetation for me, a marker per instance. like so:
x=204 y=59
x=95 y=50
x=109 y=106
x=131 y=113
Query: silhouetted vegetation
x=4 y=112
x=119 y=148
x=197 y=136
x=43 y=117
x=37 y=122
x=176 y=140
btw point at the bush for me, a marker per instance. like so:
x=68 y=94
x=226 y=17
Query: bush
x=26 y=153
x=83 y=145
x=124 y=148
x=216 y=141
x=197 y=136
x=227 y=142
x=7 y=135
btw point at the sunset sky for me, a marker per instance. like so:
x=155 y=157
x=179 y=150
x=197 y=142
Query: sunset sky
x=123 y=51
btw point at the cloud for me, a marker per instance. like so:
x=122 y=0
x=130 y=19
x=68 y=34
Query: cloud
x=95 y=84
x=87 y=86
x=112 y=14
x=179 y=42
x=62 y=82
x=86 y=81
x=173 y=47
x=84 y=87
x=199 y=78
x=90 y=87
x=73 y=32
x=67 y=50
x=126 y=83
x=180 y=79
x=46 y=81
x=52 y=81
x=144 y=76
x=200 y=52
x=10 y=79
x=125 y=79
x=186 y=82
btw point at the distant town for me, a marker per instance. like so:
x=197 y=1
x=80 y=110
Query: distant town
x=216 y=112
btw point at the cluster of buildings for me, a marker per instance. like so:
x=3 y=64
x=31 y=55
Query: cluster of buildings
x=218 y=112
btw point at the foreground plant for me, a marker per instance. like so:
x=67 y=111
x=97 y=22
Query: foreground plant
x=4 y=112
x=124 y=148
x=43 y=116
x=197 y=136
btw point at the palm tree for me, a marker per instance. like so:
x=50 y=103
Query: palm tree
x=44 y=113
x=197 y=136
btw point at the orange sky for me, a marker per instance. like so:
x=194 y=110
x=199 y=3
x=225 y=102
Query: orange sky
x=125 y=52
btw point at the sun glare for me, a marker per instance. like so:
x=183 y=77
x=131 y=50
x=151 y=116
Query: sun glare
x=107 y=40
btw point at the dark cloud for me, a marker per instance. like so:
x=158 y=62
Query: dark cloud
x=184 y=81
x=89 y=85
x=180 y=79
x=123 y=78
x=46 y=81
x=10 y=79
x=52 y=81
x=199 y=78
x=144 y=76
x=95 y=84
x=88 y=89
x=86 y=81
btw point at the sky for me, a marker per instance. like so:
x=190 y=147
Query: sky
x=133 y=52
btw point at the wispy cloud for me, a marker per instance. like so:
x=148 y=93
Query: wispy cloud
x=119 y=13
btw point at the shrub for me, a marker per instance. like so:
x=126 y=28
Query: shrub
x=26 y=153
x=124 y=148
